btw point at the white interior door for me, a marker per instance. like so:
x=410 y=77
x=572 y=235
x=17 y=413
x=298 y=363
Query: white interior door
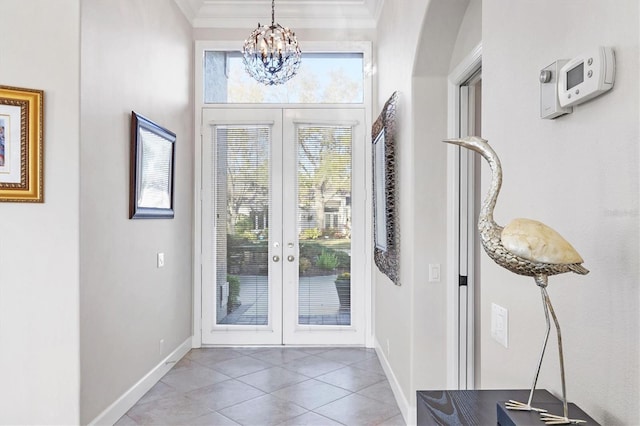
x=280 y=192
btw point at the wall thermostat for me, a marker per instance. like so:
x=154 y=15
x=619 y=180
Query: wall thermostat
x=586 y=76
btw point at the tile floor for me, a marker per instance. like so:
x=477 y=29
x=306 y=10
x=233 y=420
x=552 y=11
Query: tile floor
x=271 y=386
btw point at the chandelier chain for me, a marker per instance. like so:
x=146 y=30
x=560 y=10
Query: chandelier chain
x=273 y=12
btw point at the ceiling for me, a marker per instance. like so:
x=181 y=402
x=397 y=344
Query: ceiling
x=289 y=13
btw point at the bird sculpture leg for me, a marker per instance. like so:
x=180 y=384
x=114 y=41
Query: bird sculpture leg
x=520 y=406
x=548 y=418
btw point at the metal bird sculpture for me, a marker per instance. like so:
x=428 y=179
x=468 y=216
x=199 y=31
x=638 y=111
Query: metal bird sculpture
x=525 y=247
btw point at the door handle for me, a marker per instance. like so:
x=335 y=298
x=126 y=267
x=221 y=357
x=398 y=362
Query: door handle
x=290 y=258
x=276 y=258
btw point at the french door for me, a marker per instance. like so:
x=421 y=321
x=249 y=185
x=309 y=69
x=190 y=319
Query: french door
x=283 y=229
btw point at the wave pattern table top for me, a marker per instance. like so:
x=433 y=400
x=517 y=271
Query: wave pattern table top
x=469 y=407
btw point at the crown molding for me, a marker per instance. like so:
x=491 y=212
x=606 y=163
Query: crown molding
x=290 y=13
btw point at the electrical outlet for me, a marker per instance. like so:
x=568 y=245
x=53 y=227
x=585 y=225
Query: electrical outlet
x=160 y=260
x=500 y=324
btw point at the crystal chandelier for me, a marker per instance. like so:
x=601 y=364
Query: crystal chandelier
x=271 y=55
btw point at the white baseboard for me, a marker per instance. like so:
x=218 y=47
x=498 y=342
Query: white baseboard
x=120 y=407
x=408 y=411
x=196 y=341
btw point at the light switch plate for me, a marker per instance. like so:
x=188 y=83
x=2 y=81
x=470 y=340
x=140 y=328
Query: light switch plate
x=160 y=260
x=500 y=324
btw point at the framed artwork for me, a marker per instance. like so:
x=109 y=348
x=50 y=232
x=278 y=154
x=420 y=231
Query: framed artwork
x=386 y=235
x=21 y=145
x=152 y=164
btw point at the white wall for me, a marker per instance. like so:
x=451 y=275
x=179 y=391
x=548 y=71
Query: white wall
x=136 y=55
x=583 y=172
x=39 y=346
x=449 y=26
x=398 y=32
x=415 y=44
x=469 y=33
x=579 y=174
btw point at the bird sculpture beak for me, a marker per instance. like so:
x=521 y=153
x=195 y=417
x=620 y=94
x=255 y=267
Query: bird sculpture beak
x=460 y=142
x=470 y=142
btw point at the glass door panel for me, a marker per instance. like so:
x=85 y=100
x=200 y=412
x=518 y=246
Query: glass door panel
x=242 y=212
x=324 y=224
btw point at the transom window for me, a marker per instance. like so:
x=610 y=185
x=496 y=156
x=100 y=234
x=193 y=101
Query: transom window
x=323 y=78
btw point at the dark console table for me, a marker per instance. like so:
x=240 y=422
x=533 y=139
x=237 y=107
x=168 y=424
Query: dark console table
x=476 y=407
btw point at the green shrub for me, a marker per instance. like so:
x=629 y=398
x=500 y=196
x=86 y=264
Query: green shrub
x=236 y=241
x=313 y=250
x=332 y=233
x=234 y=293
x=249 y=235
x=310 y=234
x=304 y=264
x=345 y=276
x=344 y=259
x=310 y=250
x=234 y=285
x=327 y=260
x=243 y=224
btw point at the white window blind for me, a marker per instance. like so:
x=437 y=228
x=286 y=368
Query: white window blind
x=324 y=214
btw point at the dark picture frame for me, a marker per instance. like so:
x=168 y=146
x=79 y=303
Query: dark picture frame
x=152 y=170
x=386 y=234
x=21 y=145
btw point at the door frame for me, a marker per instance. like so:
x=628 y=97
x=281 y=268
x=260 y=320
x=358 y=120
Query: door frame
x=462 y=73
x=364 y=47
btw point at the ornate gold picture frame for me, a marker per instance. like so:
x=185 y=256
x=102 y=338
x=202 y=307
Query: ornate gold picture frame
x=21 y=145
